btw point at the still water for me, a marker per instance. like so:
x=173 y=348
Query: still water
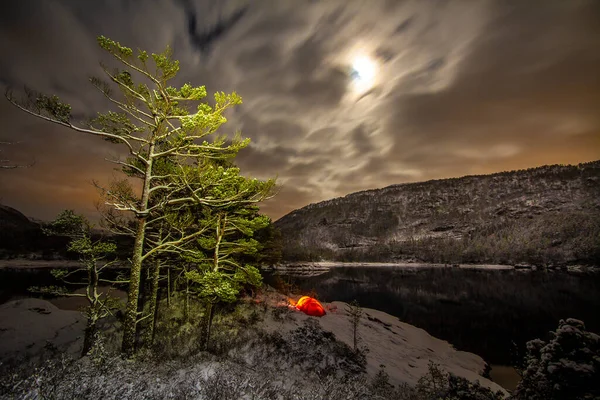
x=16 y=283
x=491 y=313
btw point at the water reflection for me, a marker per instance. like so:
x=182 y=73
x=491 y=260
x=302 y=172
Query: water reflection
x=490 y=313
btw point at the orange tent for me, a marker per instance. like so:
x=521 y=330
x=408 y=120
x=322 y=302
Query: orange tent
x=310 y=306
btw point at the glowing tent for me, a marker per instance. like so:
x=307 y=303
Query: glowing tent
x=310 y=306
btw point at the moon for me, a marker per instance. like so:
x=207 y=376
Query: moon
x=364 y=73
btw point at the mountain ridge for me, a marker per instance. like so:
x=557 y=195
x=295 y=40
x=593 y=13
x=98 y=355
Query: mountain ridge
x=396 y=185
x=455 y=220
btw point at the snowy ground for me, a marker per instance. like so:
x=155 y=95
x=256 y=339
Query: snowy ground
x=404 y=349
x=26 y=326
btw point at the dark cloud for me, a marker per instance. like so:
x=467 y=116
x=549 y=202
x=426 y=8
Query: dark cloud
x=322 y=91
x=404 y=25
x=302 y=170
x=206 y=39
x=258 y=57
x=385 y=54
x=264 y=163
x=461 y=88
x=363 y=139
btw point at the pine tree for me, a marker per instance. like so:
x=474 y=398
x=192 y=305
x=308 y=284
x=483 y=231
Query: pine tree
x=567 y=366
x=221 y=270
x=156 y=123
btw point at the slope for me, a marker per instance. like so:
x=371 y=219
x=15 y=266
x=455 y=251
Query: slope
x=544 y=216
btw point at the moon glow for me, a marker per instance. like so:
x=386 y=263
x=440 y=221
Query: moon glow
x=364 y=72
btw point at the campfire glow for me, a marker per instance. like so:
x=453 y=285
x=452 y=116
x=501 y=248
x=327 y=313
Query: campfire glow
x=308 y=306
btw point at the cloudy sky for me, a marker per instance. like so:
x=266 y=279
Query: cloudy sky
x=339 y=96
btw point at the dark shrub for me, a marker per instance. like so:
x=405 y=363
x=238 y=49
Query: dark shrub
x=565 y=367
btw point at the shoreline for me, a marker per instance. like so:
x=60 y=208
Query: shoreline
x=338 y=264
x=403 y=348
x=24 y=263
x=324 y=266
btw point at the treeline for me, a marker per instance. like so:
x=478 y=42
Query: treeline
x=560 y=178
x=556 y=239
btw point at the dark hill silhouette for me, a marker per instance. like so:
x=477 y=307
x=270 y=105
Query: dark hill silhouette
x=21 y=237
x=11 y=219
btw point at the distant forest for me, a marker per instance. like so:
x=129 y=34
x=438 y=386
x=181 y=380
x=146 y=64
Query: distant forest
x=546 y=241
x=546 y=216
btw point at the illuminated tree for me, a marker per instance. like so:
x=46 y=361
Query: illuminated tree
x=155 y=122
x=220 y=272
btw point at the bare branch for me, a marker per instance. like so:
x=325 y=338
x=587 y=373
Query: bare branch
x=70 y=125
x=111 y=281
x=123 y=86
x=125 y=164
x=172 y=243
x=103 y=88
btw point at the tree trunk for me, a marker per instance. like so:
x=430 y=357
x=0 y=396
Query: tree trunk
x=152 y=304
x=90 y=336
x=131 y=310
x=168 y=286
x=219 y=235
x=208 y=319
x=158 y=299
x=93 y=308
x=186 y=300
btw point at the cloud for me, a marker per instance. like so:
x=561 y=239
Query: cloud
x=462 y=88
x=206 y=39
x=527 y=83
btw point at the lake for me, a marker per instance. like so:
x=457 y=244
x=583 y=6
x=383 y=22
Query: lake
x=15 y=284
x=491 y=313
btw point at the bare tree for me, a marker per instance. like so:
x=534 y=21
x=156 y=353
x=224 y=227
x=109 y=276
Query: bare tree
x=355 y=313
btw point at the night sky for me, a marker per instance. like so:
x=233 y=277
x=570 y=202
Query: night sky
x=339 y=96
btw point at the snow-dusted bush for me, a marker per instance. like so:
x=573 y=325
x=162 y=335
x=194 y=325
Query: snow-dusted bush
x=440 y=385
x=206 y=378
x=305 y=363
x=317 y=350
x=565 y=367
